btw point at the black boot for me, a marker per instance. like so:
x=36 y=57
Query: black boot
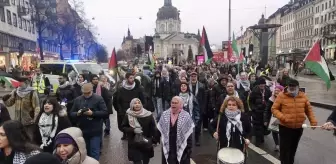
x=124 y=137
x=197 y=142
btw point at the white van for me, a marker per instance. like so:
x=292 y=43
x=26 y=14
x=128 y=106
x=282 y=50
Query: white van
x=52 y=69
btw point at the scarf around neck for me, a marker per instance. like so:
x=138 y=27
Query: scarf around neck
x=67 y=83
x=187 y=102
x=81 y=83
x=99 y=89
x=185 y=126
x=246 y=84
x=190 y=86
x=233 y=123
x=127 y=86
x=24 y=91
x=48 y=124
x=133 y=115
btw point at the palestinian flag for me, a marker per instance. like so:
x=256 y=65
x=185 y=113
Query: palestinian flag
x=151 y=59
x=113 y=64
x=113 y=60
x=317 y=64
x=235 y=47
x=206 y=47
x=10 y=81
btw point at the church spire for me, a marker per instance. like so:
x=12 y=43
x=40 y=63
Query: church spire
x=128 y=32
x=167 y=3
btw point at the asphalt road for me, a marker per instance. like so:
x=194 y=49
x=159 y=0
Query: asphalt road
x=316 y=147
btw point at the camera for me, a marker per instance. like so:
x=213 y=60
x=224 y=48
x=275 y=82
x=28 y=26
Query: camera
x=84 y=110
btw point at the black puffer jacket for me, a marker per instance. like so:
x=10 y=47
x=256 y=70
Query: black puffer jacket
x=124 y=97
x=69 y=93
x=257 y=105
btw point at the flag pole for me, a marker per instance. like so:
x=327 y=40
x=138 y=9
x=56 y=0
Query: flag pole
x=229 y=20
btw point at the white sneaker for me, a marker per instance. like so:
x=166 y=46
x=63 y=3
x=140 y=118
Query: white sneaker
x=277 y=148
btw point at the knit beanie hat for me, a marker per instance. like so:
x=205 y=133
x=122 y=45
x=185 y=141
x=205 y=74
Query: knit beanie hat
x=64 y=138
x=43 y=158
x=281 y=88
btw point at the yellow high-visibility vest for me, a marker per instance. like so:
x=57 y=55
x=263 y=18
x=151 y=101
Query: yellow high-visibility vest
x=39 y=86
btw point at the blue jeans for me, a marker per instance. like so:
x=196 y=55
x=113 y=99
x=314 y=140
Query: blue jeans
x=107 y=124
x=93 y=144
x=158 y=107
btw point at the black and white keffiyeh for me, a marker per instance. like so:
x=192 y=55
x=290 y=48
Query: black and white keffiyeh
x=187 y=102
x=48 y=124
x=233 y=119
x=185 y=126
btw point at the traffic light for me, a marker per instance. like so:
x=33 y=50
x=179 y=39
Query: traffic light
x=250 y=49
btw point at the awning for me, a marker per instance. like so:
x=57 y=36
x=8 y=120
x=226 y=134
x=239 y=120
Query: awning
x=330 y=46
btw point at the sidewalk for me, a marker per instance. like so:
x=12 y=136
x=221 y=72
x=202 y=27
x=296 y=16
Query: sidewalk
x=317 y=91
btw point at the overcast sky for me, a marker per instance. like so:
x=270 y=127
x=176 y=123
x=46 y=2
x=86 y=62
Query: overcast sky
x=112 y=17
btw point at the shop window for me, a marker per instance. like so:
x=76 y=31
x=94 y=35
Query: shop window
x=33 y=28
x=2 y=14
x=14 y=20
x=20 y=22
x=9 y=17
x=24 y=24
x=28 y=24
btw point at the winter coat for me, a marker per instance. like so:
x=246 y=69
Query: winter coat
x=292 y=111
x=107 y=96
x=81 y=156
x=63 y=123
x=218 y=90
x=125 y=96
x=209 y=111
x=148 y=125
x=195 y=112
x=268 y=110
x=4 y=114
x=78 y=89
x=26 y=108
x=257 y=106
x=237 y=138
x=68 y=93
x=167 y=89
x=200 y=96
x=90 y=125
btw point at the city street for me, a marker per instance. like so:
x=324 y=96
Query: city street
x=316 y=146
x=332 y=68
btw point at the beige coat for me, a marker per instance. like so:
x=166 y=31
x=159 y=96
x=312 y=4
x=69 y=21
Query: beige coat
x=81 y=156
x=26 y=108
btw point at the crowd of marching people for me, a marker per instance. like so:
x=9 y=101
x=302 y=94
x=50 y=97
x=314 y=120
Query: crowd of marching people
x=173 y=108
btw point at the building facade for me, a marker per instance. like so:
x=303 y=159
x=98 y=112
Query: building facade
x=304 y=25
x=17 y=33
x=169 y=41
x=287 y=30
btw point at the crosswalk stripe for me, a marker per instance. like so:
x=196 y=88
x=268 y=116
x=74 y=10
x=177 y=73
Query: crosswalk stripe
x=264 y=154
x=192 y=161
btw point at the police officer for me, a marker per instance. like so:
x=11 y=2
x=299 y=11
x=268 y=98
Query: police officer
x=41 y=84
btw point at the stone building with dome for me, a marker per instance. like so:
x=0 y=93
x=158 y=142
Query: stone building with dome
x=169 y=41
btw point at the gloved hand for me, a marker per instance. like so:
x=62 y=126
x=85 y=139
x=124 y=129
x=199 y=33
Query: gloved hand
x=137 y=130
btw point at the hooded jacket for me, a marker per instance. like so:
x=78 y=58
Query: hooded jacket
x=81 y=156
